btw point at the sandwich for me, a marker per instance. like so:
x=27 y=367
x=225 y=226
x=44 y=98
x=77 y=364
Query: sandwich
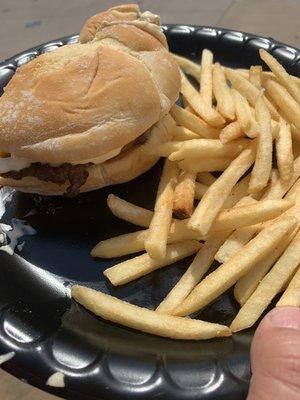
x=85 y=115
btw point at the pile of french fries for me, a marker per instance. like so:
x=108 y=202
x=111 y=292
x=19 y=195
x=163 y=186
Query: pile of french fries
x=247 y=217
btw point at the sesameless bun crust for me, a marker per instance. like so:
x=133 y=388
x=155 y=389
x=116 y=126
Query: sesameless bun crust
x=125 y=167
x=84 y=100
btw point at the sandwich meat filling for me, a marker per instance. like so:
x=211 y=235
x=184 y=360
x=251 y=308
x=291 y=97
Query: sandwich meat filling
x=76 y=175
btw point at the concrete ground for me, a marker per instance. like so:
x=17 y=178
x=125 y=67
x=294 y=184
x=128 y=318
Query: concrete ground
x=25 y=23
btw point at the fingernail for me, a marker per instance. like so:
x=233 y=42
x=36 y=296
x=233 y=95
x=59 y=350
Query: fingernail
x=285 y=317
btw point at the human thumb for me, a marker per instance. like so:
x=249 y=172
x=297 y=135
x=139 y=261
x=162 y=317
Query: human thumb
x=275 y=356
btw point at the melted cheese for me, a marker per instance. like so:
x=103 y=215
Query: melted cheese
x=13 y=163
x=100 y=159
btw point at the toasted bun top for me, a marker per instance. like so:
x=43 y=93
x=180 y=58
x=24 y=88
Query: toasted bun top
x=84 y=100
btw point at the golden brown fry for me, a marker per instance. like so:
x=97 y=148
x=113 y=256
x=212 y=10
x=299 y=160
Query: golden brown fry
x=198 y=268
x=200 y=149
x=271 y=284
x=281 y=74
x=188 y=66
x=136 y=267
x=213 y=200
x=179 y=231
x=294 y=195
x=165 y=149
x=181 y=133
x=227 y=274
x=295 y=133
x=250 y=92
x=255 y=76
x=235 y=243
x=122 y=245
x=269 y=74
x=222 y=92
x=156 y=241
x=248 y=283
x=200 y=189
x=240 y=237
x=284 y=151
x=193 y=274
x=206 y=77
x=193 y=122
x=248 y=215
x=184 y=195
x=281 y=97
x=129 y=212
x=209 y=114
x=206 y=177
x=291 y=296
x=142 y=319
x=205 y=165
x=230 y=132
x=244 y=115
x=263 y=162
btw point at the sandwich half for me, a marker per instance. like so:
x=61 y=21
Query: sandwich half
x=85 y=115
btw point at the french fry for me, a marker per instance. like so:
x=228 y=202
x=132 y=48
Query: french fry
x=239 y=192
x=230 y=272
x=198 y=268
x=184 y=195
x=295 y=133
x=213 y=200
x=205 y=165
x=248 y=283
x=134 y=242
x=269 y=74
x=235 y=243
x=278 y=187
x=189 y=67
x=206 y=177
x=284 y=151
x=222 y=93
x=281 y=97
x=206 y=77
x=129 y=212
x=281 y=74
x=142 y=319
x=122 y=245
x=209 y=114
x=271 y=284
x=240 y=237
x=159 y=228
x=165 y=149
x=134 y=268
x=231 y=132
x=244 y=115
x=249 y=91
x=294 y=195
x=193 y=122
x=249 y=215
x=208 y=148
x=200 y=189
x=263 y=162
x=255 y=76
x=181 y=133
x=193 y=274
x=242 y=71
x=291 y=296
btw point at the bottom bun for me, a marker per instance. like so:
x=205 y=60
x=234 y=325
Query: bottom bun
x=123 y=168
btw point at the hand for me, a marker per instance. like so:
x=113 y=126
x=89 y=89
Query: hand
x=275 y=356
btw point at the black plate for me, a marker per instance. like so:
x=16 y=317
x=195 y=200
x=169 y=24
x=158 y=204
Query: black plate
x=101 y=360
